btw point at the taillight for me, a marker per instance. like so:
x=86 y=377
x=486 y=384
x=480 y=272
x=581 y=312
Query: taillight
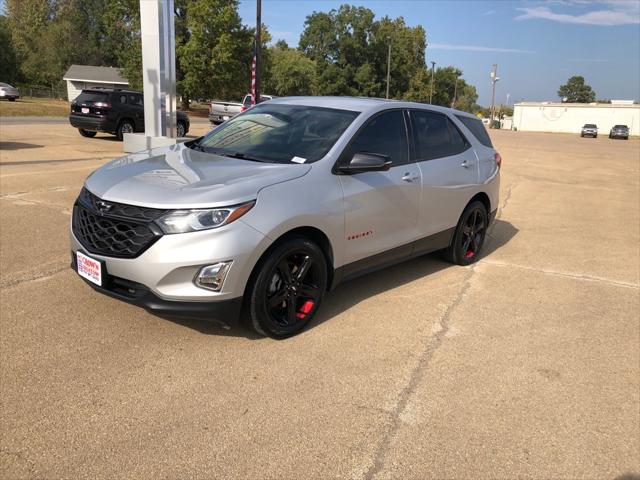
x=102 y=104
x=498 y=159
x=243 y=109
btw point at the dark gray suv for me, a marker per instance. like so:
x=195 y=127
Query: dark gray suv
x=619 y=131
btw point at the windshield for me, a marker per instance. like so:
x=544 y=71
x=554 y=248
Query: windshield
x=620 y=126
x=589 y=125
x=279 y=133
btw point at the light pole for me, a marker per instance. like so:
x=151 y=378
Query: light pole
x=258 y=47
x=494 y=79
x=455 y=91
x=433 y=68
x=388 y=65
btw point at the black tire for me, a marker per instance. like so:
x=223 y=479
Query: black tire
x=595 y=136
x=125 y=126
x=11 y=99
x=581 y=135
x=87 y=133
x=469 y=236
x=287 y=288
x=181 y=129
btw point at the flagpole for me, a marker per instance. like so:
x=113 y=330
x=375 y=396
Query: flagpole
x=258 y=48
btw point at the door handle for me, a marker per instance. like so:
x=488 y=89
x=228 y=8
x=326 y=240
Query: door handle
x=409 y=177
x=467 y=164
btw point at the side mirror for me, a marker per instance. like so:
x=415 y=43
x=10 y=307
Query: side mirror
x=366 y=162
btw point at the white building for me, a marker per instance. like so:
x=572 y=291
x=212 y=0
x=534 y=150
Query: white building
x=79 y=77
x=570 y=117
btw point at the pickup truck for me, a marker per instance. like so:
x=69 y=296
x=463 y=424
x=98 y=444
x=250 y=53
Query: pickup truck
x=220 y=112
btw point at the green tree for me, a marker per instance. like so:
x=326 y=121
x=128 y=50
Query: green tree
x=291 y=73
x=9 y=66
x=215 y=50
x=350 y=48
x=444 y=88
x=576 y=91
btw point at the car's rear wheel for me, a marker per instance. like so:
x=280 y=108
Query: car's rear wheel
x=126 y=126
x=286 y=292
x=469 y=236
x=11 y=99
x=87 y=133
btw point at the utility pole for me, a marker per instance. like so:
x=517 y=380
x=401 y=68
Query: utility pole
x=433 y=69
x=494 y=79
x=455 y=92
x=388 y=66
x=258 y=47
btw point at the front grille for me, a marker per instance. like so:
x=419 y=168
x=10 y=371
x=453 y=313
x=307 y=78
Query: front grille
x=114 y=229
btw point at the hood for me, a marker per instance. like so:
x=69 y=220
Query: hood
x=179 y=177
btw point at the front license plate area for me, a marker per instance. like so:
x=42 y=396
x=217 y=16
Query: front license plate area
x=89 y=268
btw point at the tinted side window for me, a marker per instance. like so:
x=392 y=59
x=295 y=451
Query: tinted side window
x=386 y=135
x=476 y=127
x=136 y=100
x=123 y=99
x=435 y=135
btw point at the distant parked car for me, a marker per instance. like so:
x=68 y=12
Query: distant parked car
x=589 y=130
x=619 y=131
x=113 y=110
x=220 y=112
x=9 y=92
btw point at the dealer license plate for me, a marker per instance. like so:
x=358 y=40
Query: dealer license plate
x=225 y=117
x=85 y=110
x=89 y=268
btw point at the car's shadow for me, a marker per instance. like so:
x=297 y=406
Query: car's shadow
x=18 y=145
x=349 y=294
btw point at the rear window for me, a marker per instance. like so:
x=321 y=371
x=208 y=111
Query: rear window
x=92 y=97
x=476 y=127
x=620 y=126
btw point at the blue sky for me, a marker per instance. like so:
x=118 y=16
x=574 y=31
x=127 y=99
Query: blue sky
x=537 y=45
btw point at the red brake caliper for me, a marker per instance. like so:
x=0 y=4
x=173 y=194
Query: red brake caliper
x=305 y=309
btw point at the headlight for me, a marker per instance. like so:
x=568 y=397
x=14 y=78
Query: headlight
x=183 y=221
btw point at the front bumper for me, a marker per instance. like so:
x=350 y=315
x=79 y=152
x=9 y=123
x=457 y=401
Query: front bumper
x=225 y=312
x=163 y=276
x=619 y=134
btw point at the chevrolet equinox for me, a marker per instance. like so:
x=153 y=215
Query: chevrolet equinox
x=262 y=216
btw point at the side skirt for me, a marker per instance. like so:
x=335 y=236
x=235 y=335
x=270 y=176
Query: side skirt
x=391 y=257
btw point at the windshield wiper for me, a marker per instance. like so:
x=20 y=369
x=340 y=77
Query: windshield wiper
x=242 y=156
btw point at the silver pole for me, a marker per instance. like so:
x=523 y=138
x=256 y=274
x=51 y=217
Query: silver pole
x=494 y=79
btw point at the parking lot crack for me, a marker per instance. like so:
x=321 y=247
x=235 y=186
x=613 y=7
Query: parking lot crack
x=43 y=273
x=415 y=377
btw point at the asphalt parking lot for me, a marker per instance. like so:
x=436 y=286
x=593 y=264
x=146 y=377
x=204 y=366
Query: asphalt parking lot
x=525 y=365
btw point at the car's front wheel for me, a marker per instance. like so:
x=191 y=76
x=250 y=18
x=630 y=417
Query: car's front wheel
x=469 y=235
x=180 y=129
x=87 y=133
x=286 y=292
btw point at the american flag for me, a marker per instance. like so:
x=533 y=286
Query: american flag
x=253 y=76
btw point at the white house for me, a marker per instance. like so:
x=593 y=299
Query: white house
x=570 y=117
x=79 y=77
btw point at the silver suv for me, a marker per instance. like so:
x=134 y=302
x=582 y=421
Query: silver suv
x=265 y=214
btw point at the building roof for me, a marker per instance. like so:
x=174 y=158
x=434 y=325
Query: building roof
x=88 y=73
x=578 y=105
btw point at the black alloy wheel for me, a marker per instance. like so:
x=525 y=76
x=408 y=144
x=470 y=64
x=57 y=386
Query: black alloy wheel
x=469 y=235
x=288 y=289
